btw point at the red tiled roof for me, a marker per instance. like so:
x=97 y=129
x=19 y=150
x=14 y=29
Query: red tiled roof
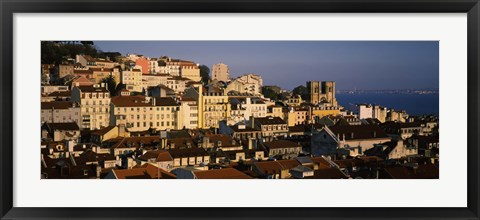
x=225 y=173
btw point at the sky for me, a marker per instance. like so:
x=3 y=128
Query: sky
x=351 y=64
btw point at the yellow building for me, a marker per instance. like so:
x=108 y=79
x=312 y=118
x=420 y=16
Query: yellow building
x=98 y=74
x=212 y=107
x=132 y=80
x=297 y=116
x=320 y=112
x=275 y=111
x=140 y=113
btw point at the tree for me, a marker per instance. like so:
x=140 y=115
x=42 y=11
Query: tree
x=111 y=84
x=302 y=91
x=205 y=73
x=269 y=93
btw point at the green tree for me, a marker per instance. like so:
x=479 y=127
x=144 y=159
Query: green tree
x=205 y=73
x=111 y=84
x=302 y=91
x=268 y=92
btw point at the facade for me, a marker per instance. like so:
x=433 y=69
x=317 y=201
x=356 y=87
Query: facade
x=372 y=111
x=324 y=93
x=249 y=83
x=61 y=112
x=212 y=106
x=270 y=126
x=65 y=70
x=133 y=80
x=144 y=63
x=220 y=72
x=190 y=71
x=95 y=105
x=140 y=113
x=297 y=116
x=153 y=66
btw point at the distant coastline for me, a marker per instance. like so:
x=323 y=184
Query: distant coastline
x=390 y=91
x=413 y=103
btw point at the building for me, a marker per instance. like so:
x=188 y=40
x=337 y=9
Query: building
x=225 y=173
x=249 y=83
x=140 y=113
x=347 y=140
x=220 y=72
x=61 y=112
x=366 y=111
x=189 y=107
x=244 y=107
x=65 y=70
x=212 y=106
x=297 y=116
x=323 y=93
x=95 y=105
x=270 y=126
x=402 y=131
x=132 y=80
x=190 y=71
x=61 y=131
x=153 y=66
x=397 y=115
x=283 y=149
x=144 y=64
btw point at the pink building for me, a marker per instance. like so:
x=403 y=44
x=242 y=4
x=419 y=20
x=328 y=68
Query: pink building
x=143 y=62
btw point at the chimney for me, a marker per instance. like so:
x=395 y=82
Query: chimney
x=252 y=122
x=351 y=135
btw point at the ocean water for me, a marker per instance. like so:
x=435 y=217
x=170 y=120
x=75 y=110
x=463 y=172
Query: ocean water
x=414 y=104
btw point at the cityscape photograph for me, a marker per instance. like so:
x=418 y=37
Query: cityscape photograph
x=239 y=110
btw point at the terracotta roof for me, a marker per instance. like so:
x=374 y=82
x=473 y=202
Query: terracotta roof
x=226 y=140
x=188 y=152
x=147 y=171
x=269 y=120
x=158 y=155
x=57 y=105
x=329 y=173
x=103 y=130
x=60 y=94
x=139 y=101
x=130 y=101
x=281 y=144
x=225 y=173
x=269 y=167
x=289 y=164
x=101 y=69
x=424 y=171
x=67 y=126
x=83 y=71
x=133 y=142
x=166 y=101
x=92 y=89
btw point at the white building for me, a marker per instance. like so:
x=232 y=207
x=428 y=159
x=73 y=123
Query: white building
x=95 y=105
x=249 y=83
x=221 y=72
x=61 y=112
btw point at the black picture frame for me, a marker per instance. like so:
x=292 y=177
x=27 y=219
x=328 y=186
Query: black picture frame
x=9 y=7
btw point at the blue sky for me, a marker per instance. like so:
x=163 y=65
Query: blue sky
x=352 y=64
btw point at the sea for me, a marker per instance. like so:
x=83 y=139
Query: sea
x=414 y=104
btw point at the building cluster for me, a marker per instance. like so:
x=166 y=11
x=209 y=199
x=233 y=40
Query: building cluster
x=164 y=123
